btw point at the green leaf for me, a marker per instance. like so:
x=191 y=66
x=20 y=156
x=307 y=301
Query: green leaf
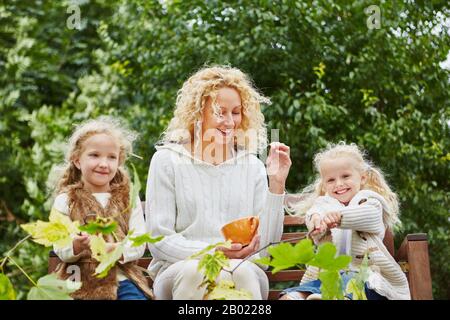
x=264 y=261
x=107 y=259
x=58 y=231
x=212 y=264
x=356 y=286
x=305 y=251
x=145 y=238
x=331 y=287
x=341 y=262
x=363 y=273
x=100 y=225
x=51 y=288
x=225 y=290
x=226 y=244
x=135 y=187
x=286 y=255
x=98 y=247
x=325 y=258
x=6 y=289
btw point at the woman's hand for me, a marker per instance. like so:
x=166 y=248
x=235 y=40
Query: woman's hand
x=278 y=164
x=238 y=252
x=81 y=243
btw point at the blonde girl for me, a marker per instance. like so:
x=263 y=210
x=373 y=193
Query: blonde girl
x=351 y=204
x=95 y=183
x=206 y=173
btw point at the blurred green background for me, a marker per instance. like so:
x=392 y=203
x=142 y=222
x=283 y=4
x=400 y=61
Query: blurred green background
x=329 y=75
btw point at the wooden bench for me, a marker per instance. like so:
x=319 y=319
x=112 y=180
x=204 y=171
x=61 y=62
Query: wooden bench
x=412 y=257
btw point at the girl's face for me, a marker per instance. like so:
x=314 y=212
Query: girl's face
x=341 y=179
x=98 y=162
x=222 y=126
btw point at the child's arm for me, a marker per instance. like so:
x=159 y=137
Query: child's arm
x=366 y=217
x=137 y=224
x=76 y=249
x=314 y=221
x=316 y=227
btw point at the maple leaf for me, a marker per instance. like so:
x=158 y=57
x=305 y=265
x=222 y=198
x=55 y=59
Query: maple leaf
x=356 y=285
x=107 y=259
x=331 y=286
x=285 y=255
x=50 y=287
x=212 y=264
x=325 y=258
x=135 y=187
x=6 y=289
x=145 y=238
x=226 y=244
x=58 y=231
x=103 y=225
x=225 y=290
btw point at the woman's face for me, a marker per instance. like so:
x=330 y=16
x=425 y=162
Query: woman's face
x=221 y=127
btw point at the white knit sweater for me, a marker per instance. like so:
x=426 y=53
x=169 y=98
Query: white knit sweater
x=188 y=201
x=364 y=218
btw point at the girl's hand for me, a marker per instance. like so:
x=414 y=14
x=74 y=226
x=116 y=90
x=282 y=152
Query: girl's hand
x=332 y=219
x=316 y=225
x=238 y=252
x=278 y=164
x=81 y=243
x=111 y=246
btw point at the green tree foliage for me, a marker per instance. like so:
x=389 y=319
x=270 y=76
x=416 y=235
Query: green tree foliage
x=329 y=76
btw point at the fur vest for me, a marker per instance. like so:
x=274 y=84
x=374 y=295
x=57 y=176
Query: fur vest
x=83 y=205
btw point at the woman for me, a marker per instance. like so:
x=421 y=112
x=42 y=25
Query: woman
x=205 y=174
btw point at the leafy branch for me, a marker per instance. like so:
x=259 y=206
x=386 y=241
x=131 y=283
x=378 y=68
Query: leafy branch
x=59 y=232
x=284 y=255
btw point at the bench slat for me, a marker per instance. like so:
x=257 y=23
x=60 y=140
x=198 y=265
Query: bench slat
x=293 y=235
x=274 y=294
x=285 y=275
x=291 y=221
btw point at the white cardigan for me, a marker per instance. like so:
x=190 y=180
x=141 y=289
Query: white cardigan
x=364 y=214
x=188 y=201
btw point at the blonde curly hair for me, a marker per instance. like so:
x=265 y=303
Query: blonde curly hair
x=69 y=174
x=203 y=85
x=375 y=181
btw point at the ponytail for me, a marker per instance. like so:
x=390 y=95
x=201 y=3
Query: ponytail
x=376 y=182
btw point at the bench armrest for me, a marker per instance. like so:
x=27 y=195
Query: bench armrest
x=413 y=257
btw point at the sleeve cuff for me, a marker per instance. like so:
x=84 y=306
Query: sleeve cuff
x=132 y=253
x=275 y=200
x=67 y=255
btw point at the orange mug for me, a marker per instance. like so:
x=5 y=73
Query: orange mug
x=241 y=230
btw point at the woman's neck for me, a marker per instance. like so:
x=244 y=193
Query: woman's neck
x=214 y=153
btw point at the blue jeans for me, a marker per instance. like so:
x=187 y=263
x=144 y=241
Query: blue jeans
x=129 y=291
x=314 y=287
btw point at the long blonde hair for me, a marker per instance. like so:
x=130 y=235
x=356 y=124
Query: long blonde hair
x=203 y=85
x=70 y=175
x=375 y=181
